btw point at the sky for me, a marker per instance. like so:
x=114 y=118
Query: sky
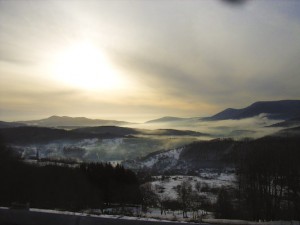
x=137 y=60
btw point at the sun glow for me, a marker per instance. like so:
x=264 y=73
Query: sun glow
x=84 y=66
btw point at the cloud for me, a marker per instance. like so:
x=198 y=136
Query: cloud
x=240 y=55
x=186 y=58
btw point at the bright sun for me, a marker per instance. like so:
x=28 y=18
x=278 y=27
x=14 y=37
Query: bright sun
x=84 y=66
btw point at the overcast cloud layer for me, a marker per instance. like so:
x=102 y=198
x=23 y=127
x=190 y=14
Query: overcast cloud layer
x=179 y=58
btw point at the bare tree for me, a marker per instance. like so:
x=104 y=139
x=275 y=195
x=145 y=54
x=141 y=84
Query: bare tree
x=149 y=197
x=198 y=186
x=184 y=192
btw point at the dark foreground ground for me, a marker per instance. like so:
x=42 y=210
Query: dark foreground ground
x=23 y=217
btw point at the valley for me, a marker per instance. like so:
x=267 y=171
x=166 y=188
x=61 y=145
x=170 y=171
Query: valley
x=201 y=160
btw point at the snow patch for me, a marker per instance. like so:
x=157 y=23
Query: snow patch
x=171 y=155
x=165 y=186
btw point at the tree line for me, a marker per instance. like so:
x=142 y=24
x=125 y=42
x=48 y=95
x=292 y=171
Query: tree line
x=93 y=185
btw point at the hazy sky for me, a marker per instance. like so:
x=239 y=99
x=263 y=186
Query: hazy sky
x=141 y=59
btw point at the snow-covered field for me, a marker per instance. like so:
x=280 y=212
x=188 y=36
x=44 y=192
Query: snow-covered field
x=155 y=216
x=207 y=184
x=84 y=214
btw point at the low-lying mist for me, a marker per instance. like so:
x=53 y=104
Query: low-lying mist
x=102 y=150
x=150 y=137
x=254 y=127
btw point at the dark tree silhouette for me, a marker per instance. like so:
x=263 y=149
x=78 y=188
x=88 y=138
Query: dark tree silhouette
x=64 y=187
x=269 y=178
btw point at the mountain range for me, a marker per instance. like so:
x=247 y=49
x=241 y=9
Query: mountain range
x=280 y=110
x=66 y=121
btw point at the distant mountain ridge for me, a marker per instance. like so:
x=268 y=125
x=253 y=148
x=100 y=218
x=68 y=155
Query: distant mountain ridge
x=166 y=119
x=125 y=131
x=59 y=121
x=4 y=124
x=171 y=119
x=284 y=109
x=281 y=110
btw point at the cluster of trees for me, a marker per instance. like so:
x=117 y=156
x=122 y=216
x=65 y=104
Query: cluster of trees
x=65 y=187
x=268 y=172
x=117 y=184
x=188 y=200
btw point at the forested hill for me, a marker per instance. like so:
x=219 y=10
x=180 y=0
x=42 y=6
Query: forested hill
x=36 y=135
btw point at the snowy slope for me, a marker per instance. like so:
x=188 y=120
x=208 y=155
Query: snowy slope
x=161 y=161
x=188 y=159
x=171 y=155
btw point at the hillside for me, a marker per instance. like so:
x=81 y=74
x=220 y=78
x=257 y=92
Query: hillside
x=284 y=109
x=37 y=135
x=288 y=123
x=293 y=132
x=4 y=124
x=184 y=160
x=217 y=154
x=34 y=135
x=173 y=132
x=125 y=131
x=109 y=130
